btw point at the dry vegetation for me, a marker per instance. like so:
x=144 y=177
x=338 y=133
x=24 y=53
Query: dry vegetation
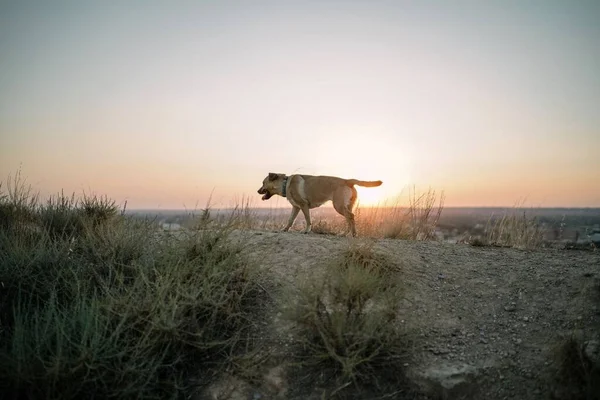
x=93 y=302
x=415 y=221
x=345 y=324
x=96 y=302
x=515 y=228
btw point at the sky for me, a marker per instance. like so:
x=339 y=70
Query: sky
x=163 y=103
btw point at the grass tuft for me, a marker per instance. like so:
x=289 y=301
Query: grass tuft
x=514 y=229
x=416 y=221
x=345 y=321
x=17 y=203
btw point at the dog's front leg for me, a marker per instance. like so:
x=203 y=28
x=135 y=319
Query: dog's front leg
x=293 y=216
x=306 y=212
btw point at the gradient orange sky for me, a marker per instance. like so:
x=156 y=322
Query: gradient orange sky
x=159 y=103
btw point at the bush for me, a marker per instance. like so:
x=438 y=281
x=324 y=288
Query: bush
x=96 y=304
x=345 y=321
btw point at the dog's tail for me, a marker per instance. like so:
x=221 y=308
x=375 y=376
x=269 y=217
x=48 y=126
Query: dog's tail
x=353 y=182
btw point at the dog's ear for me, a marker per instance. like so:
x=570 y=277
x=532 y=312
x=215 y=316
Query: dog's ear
x=273 y=176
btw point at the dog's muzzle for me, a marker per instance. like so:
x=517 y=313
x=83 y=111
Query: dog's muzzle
x=265 y=192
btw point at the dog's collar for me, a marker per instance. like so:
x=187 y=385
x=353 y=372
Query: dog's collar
x=283 y=187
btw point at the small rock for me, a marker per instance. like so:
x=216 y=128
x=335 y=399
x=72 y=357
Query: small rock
x=511 y=307
x=447 y=380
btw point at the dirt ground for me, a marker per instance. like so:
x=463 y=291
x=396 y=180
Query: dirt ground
x=486 y=320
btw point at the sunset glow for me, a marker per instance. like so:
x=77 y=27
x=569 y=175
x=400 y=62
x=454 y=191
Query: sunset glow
x=161 y=104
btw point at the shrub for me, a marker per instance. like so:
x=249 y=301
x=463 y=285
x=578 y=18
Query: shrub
x=96 y=304
x=344 y=321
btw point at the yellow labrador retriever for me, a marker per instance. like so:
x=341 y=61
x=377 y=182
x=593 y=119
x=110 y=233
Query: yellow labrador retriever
x=307 y=191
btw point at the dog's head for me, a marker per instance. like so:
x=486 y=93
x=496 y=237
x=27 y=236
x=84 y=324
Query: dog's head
x=272 y=184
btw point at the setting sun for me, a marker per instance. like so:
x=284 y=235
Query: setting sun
x=369 y=197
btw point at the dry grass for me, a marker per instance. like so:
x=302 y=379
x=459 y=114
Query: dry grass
x=345 y=323
x=17 y=203
x=329 y=226
x=515 y=228
x=97 y=304
x=415 y=221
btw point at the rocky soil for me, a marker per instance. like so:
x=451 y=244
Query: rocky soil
x=486 y=321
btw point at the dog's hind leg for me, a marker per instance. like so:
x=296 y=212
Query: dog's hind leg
x=343 y=202
x=293 y=216
x=306 y=212
x=349 y=215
